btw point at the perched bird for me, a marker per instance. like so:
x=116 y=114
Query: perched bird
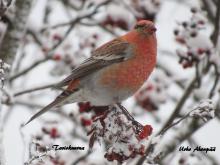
x=114 y=72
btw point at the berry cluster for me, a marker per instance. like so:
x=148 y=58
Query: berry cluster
x=110 y=21
x=41 y=150
x=137 y=10
x=193 y=38
x=124 y=138
x=52 y=132
x=89 y=112
x=68 y=57
x=147 y=8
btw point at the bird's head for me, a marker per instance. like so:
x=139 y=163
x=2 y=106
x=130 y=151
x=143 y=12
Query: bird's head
x=145 y=27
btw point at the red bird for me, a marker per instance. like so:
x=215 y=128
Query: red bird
x=114 y=72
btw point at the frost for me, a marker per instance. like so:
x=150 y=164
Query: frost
x=204 y=110
x=3 y=67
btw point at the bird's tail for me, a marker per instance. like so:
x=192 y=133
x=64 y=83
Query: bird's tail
x=55 y=103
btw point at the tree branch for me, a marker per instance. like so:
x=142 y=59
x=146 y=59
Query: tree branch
x=33 y=89
x=209 y=10
x=26 y=70
x=215 y=34
x=51 y=51
x=179 y=106
x=15 y=31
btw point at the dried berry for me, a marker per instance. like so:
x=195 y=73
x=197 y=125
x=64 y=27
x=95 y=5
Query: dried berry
x=54 y=133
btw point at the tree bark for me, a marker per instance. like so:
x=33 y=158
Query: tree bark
x=15 y=31
x=9 y=48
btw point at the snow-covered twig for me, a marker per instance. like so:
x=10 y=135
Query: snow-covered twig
x=215 y=34
x=54 y=47
x=3 y=67
x=82 y=16
x=208 y=7
x=205 y=111
x=180 y=103
x=29 y=68
x=82 y=158
x=4 y=6
x=33 y=89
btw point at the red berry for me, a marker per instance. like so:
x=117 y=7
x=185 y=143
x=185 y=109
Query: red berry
x=185 y=65
x=86 y=122
x=57 y=37
x=149 y=87
x=201 y=22
x=54 y=133
x=189 y=53
x=201 y=51
x=180 y=40
x=84 y=107
x=122 y=24
x=57 y=57
x=147 y=130
x=142 y=150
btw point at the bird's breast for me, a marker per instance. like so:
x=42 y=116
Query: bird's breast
x=130 y=74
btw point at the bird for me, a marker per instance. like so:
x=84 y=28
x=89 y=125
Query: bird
x=114 y=72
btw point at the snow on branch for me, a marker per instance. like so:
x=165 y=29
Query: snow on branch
x=4 y=4
x=195 y=40
x=190 y=123
x=125 y=138
x=3 y=67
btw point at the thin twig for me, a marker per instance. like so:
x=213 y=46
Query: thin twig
x=35 y=37
x=209 y=10
x=81 y=158
x=72 y=6
x=50 y=53
x=211 y=93
x=79 y=18
x=198 y=76
x=180 y=104
x=26 y=70
x=215 y=34
x=33 y=89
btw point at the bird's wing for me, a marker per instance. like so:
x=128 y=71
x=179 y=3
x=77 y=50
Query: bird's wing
x=114 y=51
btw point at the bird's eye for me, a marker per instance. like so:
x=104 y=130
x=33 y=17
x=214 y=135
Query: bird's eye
x=139 y=26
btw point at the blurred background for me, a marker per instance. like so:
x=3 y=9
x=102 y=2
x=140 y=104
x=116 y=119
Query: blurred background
x=43 y=40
